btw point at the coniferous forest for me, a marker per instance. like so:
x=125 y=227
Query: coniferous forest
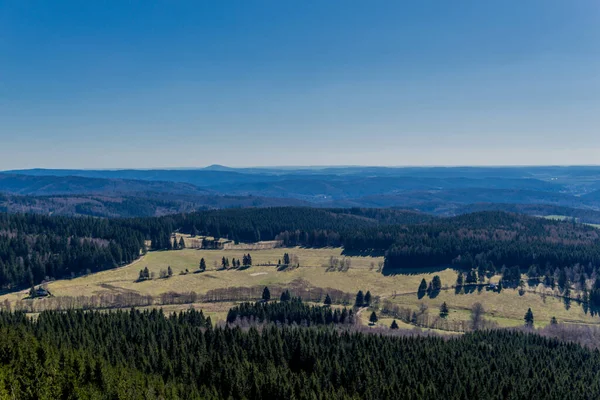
x=35 y=247
x=146 y=355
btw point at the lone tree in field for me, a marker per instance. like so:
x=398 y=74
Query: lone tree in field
x=444 y=310
x=394 y=325
x=553 y=321
x=266 y=296
x=286 y=259
x=373 y=318
x=368 y=298
x=327 y=301
x=175 y=245
x=202 y=265
x=169 y=271
x=360 y=299
x=529 y=317
x=181 y=243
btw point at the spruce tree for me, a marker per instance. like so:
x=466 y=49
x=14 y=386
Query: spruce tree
x=360 y=299
x=394 y=325
x=266 y=296
x=169 y=271
x=327 y=301
x=529 y=317
x=553 y=321
x=444 y=310
x=368 y=298
x=202 y=265
x=423 y=286
x=181 y=243
x=373 y=318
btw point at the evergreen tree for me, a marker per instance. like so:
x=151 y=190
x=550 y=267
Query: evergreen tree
x=202 y=265
x=373 y=318
x=181 y=243
x=169 y=271
x=368 y=299
x=266 y=296
x=422 y=287
x=529 y=317
x=286 y=259
x=444 y=310
x=327 y=301
x=553 y=321
x=394 y=325
x=436 y=283
x=360 y=299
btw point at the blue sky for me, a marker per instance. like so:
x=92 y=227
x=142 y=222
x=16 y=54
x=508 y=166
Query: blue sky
x=135 y=84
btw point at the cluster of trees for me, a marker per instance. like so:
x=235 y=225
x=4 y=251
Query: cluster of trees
x=433 y=289
x=290 y=311
x=146 y=355
x=362 y=299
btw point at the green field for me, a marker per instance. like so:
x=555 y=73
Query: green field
x=506 y=308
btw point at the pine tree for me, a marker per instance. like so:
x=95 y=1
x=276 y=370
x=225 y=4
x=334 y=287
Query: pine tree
x=529 y=317
x=436 y=283
x=202 y=265
x=394 y=325
x=181 y=243
x=327 y=301
x=286 y=259
x=444 y=310
x=373 y=318
x=553 y=321
x=423 y=286
x=266 y=296
x=169 y=271
x=368 y=298
x=175 y=245
x=360 y=299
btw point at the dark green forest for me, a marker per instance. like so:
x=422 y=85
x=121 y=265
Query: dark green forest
x=146 y=355
x=35 y=247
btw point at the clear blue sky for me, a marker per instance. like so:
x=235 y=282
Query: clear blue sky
x=116 y=84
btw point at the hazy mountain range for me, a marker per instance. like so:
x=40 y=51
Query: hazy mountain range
x=436 y=190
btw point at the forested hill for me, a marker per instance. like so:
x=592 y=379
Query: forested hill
x=492 y=240
x=35 y=247
x=254 y=224
x=145 y=355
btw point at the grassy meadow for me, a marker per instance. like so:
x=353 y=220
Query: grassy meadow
x=506 y=308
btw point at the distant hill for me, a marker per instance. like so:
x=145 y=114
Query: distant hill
x=48 y=185
x=438 y=190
